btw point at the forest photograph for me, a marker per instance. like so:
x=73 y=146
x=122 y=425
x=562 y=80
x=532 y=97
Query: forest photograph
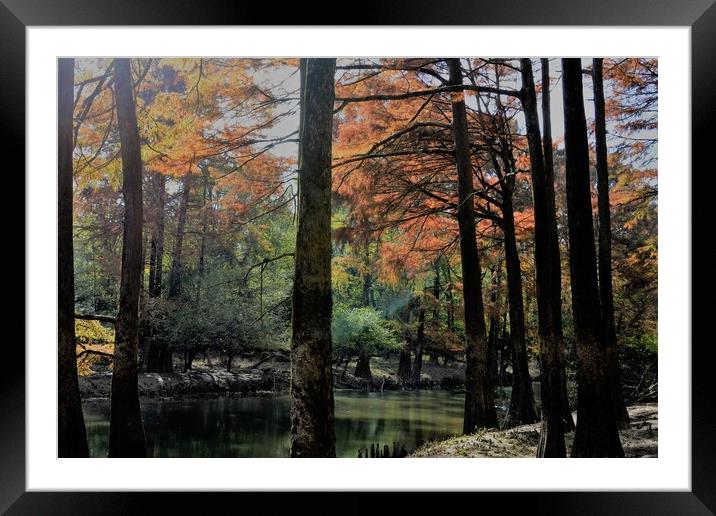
x=364 y=257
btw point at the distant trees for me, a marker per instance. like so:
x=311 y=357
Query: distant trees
x=175 y=275
x=596 y=434
x=362 y=332
x=312 y=423
x=71 y=438
x=126 y=435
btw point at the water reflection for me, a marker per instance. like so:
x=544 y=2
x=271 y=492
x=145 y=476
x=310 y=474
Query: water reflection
x=259 y=426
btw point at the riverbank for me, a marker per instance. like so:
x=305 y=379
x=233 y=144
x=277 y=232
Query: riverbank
x=194 y=383
x=639 y=440
x=268 y=373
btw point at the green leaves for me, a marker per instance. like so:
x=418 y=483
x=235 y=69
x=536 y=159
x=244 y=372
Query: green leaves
x=363 y=329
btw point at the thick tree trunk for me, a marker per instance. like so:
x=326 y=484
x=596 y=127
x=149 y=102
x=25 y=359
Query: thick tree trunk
x=72 y=436
x=605 y=251
x=548 y=311
x=596 y=434
x=479 y=402
x=312 y=421
x=522 y=405
x=175 y=273
x=126 y=435
x=556 y=269
x=363 y=366
x=404 y=369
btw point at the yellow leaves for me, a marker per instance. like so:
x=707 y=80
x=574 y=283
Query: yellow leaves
x=94 y=341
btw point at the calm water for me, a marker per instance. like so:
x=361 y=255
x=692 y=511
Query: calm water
x=258 y=426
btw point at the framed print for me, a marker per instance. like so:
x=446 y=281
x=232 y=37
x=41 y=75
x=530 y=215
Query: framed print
x=459 y=236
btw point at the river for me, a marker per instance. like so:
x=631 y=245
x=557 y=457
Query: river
x=259 y=426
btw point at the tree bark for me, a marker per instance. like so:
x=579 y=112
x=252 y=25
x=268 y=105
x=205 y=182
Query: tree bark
x=72 y=435
x=404 y=369
x=363 y=366
x=556 y=269
x=492 y=349
x=450 y=299
x=596 y=434
x=126 y=435
x=157 y=257
x=606 y=294
x=522 y=404
x=479 y=402
x=175 y=273
x=312 y=421
x=548 y=311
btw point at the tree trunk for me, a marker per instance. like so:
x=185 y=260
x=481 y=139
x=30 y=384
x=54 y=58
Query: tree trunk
x=363 y=366
x=157 y=257
x=450 y=300
x=493 y=335
x=206 y=196
x=596 y=434
x=177 y=265
x=126 y=436
x=152 y=263
x=419 y=344
x=492 y=349
x=605 y=251
x=404 y=369
x=548 y=311
x=522 y=404
x=479 y=402
x=72 y=436
x=189 y=356
x=312 y=421
x=367 y=279
x=556 y=269
x=159 y=357
x=142 y=290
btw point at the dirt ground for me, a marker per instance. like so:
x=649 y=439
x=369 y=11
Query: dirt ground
x=639 y=440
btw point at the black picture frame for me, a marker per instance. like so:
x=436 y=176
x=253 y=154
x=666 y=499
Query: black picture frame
x=700 y=15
